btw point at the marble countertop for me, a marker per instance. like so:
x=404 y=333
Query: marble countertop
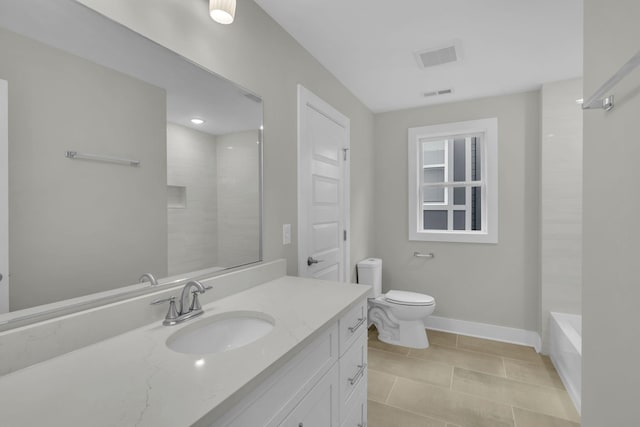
x=134 y=379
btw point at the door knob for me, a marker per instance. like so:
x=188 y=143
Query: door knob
x=311 y=261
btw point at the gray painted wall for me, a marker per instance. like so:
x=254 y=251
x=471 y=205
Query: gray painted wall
x=193 y=229
x=238 y=160
x=496 y=284
x=67 y=222
x=258 y=54
x=611 y=271
x=561 y=201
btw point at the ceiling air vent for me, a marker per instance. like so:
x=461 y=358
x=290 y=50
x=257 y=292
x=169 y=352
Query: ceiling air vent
x=438 y=92
x=433 y=57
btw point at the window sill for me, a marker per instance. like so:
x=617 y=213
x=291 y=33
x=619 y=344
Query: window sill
x=454 y=236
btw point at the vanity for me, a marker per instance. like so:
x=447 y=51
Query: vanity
x=308 y=370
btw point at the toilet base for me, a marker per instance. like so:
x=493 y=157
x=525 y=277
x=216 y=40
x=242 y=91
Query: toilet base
x=407 y=334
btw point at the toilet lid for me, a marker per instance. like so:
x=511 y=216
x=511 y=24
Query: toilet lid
x=409 y=298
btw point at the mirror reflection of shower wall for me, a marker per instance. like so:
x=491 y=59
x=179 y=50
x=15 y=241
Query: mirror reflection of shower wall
x=213 y=199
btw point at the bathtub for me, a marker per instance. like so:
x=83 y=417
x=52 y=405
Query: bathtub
x=565 y=339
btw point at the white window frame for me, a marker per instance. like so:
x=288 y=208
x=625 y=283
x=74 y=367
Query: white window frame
x=487 y=130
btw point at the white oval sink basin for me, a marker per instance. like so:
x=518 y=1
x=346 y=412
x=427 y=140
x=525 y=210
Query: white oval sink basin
x=220 y=333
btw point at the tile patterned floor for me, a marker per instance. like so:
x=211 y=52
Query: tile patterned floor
x=462 y=381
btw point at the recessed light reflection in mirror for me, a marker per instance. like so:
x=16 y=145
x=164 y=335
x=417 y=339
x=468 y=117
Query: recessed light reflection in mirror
x=197 y=121
x=199 y=363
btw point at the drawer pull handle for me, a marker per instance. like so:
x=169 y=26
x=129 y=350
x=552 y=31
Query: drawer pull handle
x=358 y=374
x=362 y=425
x=360 y=322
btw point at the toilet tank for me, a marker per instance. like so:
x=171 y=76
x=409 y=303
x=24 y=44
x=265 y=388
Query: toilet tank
x=370 y=273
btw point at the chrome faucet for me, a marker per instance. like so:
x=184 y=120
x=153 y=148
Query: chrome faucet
x=187 y=311
x=149 y=277
x=184 y=297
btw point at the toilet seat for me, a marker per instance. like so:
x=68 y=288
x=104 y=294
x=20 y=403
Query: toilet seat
x=409 y=298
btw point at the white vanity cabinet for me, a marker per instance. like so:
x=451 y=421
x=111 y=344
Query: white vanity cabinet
x=324 y=385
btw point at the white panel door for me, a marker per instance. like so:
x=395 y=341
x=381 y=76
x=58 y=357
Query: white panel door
x=323 y=189
x=4 y=197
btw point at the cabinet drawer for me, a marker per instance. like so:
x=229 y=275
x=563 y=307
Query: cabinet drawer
x=353 y=371
x=356 y=409
x=351 y=324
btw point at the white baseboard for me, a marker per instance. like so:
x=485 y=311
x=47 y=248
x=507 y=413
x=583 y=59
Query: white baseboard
x=485 y=330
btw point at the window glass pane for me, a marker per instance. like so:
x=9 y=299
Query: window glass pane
x=459 y=220
x=433 y=153
x=459 y=195
x=476 y=208
x=476 y=157
x=433 y=195
x=435 y=220
x=432 y=175
x=459 y=159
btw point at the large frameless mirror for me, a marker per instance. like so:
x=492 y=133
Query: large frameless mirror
x=124 y=158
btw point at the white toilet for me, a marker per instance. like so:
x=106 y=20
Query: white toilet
x=398 y=315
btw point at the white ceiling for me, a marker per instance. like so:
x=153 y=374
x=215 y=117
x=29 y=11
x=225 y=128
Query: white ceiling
x=506 y=46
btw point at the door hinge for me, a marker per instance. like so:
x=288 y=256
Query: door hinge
x=344 y=235
x=344 y=150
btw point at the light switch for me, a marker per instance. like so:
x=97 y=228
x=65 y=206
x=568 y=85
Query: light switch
x=286 y=234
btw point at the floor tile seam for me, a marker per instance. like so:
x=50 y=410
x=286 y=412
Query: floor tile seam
x=518 y=381
x=452 y=347
x=505 y=404
x=535 y=384
x=504 y=367
x=430 y=383
x=466 y=350
x=414 y=358
x=421 y=415
x=482 y=396
x=546 y=413
x=510 y=405
x=430 y=360
x=494 y=354
x=387 y=351
x=464 y=367
x=453 y=370
x=484 y=353
x=386 y=399
x=515 y=359
x=464 y=393
x=477 y=371
x=415 y=380
x=439 y=345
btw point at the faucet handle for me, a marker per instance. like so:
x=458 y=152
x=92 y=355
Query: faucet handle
x=172 y=314
x=161 y=300
x=195 y=302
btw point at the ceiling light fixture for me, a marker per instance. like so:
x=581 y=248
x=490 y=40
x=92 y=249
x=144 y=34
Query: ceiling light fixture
x=197 y=121
x=222 y=11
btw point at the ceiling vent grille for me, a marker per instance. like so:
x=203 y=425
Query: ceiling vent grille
x=438 y=92
x=433 y=57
